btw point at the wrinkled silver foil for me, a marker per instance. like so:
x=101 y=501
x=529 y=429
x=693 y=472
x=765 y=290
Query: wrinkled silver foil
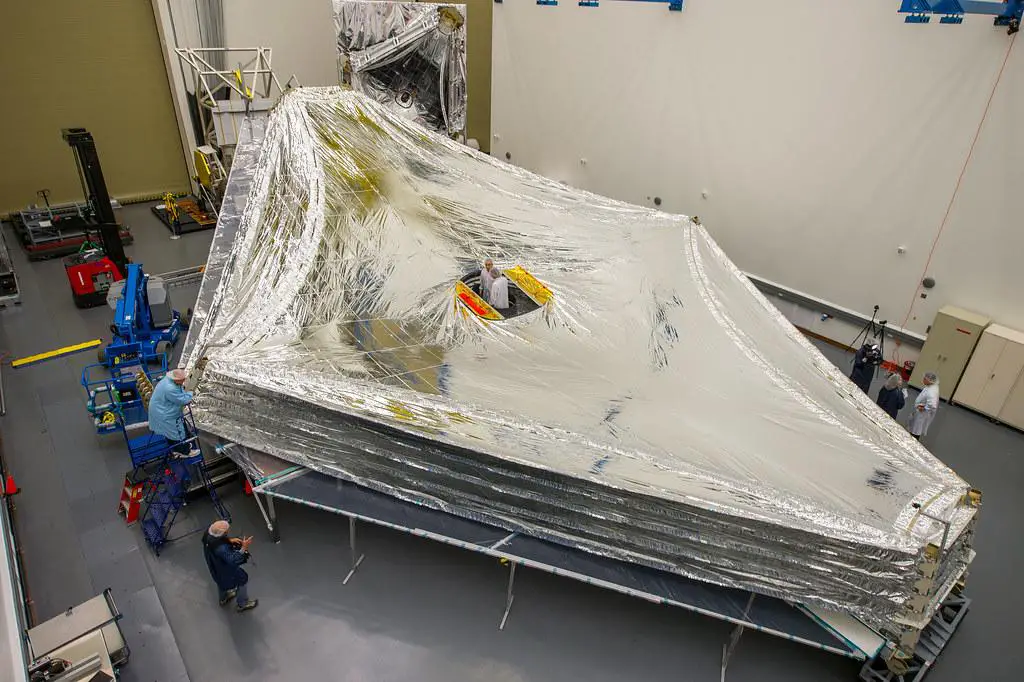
x=409 y=56
x=656 y=409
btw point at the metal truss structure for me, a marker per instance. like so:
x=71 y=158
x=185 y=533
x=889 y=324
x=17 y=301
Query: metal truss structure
x=225 y=95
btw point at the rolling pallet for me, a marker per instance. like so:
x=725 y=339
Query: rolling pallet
x=191 y=217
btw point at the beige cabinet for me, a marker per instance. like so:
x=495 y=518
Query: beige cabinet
x=951 y=340
x=993 y=377
x=1013 y=409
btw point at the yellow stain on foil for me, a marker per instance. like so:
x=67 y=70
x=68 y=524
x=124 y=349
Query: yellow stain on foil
x=401 y=411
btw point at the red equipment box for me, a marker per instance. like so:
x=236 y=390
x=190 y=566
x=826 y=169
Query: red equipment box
x=90 y=274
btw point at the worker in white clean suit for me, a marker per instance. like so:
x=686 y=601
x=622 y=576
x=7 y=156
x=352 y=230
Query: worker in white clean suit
x=487 y=279
x=499 y=290
x=925 y=407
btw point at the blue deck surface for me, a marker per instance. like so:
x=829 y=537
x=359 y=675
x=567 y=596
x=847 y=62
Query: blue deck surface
x=767 y=613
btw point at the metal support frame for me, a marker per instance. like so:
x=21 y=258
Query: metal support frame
x=275 y=533
x=250 y=79
x=356 y=558
x=734 y=638
x=509 y=593
x=493 y=550
x=934 y=639
x=944 y=522
x=912 y=657
x=268 y=512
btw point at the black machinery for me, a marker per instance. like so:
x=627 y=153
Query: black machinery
x=51 y=230
x=94 y=268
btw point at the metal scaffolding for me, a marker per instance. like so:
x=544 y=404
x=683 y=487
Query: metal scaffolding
x=226 y=95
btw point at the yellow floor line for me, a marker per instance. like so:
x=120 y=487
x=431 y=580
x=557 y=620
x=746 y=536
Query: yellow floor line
x=50 y=354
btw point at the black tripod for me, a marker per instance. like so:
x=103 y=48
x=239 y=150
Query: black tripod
x=872 y=330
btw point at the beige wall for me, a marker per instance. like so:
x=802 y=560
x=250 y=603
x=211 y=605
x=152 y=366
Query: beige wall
x=96 y=65
x=478 y=58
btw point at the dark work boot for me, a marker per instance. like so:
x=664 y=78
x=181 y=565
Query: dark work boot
x=251 y=604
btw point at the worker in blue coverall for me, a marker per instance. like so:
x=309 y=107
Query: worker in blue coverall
x=224 y=557
x=165 y=410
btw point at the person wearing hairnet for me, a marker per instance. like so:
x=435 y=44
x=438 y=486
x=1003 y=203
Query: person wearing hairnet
x=165 y=410
x=487 y=279
x=925 y=407
x=891 y=396
x=224 y=557
x=499 y=290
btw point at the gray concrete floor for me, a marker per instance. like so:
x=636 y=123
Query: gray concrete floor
x=415 y=610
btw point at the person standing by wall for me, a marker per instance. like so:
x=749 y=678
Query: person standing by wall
x=891 y=396
x=925 y=407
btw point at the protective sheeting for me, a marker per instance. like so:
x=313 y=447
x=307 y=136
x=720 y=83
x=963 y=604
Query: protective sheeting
x=409 y=56
x=640 y=399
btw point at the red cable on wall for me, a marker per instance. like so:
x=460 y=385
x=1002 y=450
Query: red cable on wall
x=956 y=190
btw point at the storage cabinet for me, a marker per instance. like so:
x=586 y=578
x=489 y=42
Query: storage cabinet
x=1013 y=410
x=951 y=340
x=992 y=383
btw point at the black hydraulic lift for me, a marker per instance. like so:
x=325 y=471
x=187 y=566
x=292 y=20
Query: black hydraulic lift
x=90 y=271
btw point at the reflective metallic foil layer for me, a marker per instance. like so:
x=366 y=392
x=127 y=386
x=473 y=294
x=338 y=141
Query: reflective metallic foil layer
x=647 y=404
x=409 y=56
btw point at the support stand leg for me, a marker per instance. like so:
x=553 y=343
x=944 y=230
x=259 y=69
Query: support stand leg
x=509 y=596
x=734 y=639
x=356 y=560
x=269 y=519
x=275 y=533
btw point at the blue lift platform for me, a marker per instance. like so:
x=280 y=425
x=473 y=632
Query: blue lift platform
x=113 y=398
x=145 y=326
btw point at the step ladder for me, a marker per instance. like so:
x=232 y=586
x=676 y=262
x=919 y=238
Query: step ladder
x=132 y=495
x=170 y=487
x=165 y=498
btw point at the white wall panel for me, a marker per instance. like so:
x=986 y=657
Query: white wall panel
x=825 y=134
x=300 y=33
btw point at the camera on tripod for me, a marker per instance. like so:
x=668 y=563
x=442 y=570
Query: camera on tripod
x=872 y=353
